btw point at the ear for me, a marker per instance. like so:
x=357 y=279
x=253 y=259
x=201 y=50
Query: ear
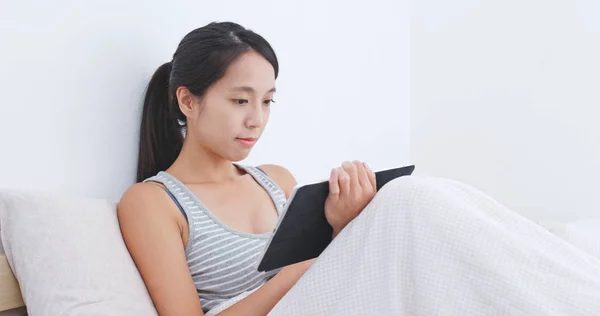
x=186 y=100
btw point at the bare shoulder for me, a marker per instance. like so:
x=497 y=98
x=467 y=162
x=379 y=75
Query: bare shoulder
x=281 y=176
x=139 y=194
x=148 y=200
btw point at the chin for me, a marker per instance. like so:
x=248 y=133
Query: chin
x=239 y=156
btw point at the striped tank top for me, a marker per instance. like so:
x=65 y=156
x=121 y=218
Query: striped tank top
x=221 y=260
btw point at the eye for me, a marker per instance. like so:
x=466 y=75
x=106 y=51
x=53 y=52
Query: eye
x=268 y=102
x=240 y=101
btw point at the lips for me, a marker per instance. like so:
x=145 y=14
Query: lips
x=247 y=141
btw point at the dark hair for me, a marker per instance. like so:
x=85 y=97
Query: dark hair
x=201 y=58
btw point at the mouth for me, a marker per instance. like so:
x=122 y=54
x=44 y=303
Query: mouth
x=247 y=141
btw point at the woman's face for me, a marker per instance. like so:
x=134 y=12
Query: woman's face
x=230 y=118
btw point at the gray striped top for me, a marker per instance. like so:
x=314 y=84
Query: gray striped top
x=222 y=260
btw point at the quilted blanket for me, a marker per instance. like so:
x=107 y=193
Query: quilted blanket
x=431 y=246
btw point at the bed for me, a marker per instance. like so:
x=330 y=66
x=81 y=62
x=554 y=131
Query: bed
x=68 y=251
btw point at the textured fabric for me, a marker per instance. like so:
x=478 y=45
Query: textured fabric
x=428 y=246
x=69 y=257
x=221 y=260
x=583 y=234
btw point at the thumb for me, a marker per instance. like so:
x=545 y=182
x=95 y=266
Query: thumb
x=372 y=177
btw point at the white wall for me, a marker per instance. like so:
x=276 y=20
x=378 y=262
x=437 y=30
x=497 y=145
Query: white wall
x=73 y=73
x=505 y=97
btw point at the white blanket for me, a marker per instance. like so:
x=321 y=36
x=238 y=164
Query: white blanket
x=428 y=246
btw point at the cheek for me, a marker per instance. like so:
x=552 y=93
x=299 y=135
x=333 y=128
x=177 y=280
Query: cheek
x=267 y=115
x=219 y=122
x=206 y=122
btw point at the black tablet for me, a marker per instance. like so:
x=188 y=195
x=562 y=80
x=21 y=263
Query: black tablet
x=302 y=231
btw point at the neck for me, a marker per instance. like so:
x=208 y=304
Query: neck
x=196 y=164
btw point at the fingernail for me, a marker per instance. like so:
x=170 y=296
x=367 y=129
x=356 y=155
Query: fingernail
x=366 y=166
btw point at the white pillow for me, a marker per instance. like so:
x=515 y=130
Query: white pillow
x=69 y=257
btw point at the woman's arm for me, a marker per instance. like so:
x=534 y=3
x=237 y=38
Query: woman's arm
x=261 y=301
x=153 y=230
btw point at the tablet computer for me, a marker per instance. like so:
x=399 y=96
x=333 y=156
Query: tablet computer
x=302 y=231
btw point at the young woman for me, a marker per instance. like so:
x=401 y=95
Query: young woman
x=218 y=89
x=197 y=220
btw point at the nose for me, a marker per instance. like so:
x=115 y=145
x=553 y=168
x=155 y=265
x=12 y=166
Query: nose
x=255 y=117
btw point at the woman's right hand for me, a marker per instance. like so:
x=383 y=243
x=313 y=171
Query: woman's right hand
x=351 y=187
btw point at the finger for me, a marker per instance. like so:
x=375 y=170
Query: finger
x=344 y=182
x=334 y=186
x=363 y=176
x=372 y=177
x=351 y=170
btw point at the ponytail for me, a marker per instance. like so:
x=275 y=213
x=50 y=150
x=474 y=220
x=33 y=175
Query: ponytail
x=161 y=138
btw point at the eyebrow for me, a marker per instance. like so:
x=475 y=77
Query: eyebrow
x=251 y=90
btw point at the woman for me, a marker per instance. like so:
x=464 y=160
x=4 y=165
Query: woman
x=219 y=86
x=196 y=221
